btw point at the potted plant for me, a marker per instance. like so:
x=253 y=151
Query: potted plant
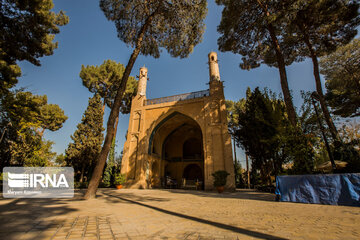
x=119 y=180
x=220 y=180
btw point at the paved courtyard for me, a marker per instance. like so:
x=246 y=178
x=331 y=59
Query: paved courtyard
x=175 y=214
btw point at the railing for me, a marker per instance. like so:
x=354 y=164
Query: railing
x=179 y=97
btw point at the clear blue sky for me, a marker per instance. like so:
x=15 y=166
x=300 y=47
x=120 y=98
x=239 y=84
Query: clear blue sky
x=89 y=39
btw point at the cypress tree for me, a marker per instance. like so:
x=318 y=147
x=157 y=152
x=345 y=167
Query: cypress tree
x=87 y=139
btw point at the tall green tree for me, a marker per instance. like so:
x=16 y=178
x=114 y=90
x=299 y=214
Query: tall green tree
x=85 y=147
x=42 y=155
x=251 y=28
x=23 y=119
x=269 y=139
x=27 y=32
x=350 y=134
x=261 y=127
x=321 y=26
x=105 y=81
x=51 y=117
x=148 y=26
x=309 y=122
x=341 y=70
x=233 y=107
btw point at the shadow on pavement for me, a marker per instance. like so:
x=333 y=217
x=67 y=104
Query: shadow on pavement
x=200 y=220
x=247 y=194
x=107 y=192
x=20 y=216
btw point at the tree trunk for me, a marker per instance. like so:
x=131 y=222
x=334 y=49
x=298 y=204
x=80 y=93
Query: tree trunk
x=82 y=173
x=42 y=132
x=283 y=78
x=116 y=120
x=247 y=169
x=116 y=125
x=114 y=138
x=96 y=176
x=282 y=70
x=316 y=72
x=103 y=107
x=236 y=166
x=235 y=151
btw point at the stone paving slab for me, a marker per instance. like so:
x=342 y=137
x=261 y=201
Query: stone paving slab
x=175 y=214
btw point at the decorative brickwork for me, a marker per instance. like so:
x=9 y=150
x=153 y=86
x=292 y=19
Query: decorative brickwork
x=178 y=139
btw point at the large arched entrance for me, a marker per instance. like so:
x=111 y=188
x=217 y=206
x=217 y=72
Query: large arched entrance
x=177 y=147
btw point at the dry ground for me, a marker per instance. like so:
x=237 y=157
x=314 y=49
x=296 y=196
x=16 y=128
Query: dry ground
x=175 y=214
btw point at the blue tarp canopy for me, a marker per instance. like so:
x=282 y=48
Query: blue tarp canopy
x=333 y=189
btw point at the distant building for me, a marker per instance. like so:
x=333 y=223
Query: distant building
x=180 y=140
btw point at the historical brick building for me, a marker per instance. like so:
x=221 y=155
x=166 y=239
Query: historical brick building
x=182 y=137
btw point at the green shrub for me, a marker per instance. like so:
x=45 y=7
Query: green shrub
x=119 y=179
x=81 y=184
x=220 y=178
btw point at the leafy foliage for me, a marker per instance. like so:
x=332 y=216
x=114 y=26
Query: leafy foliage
x=253 y=29
x=263 y=129
x=239 y=178
x=309 y=124
x=27 y=32
x=51 y=117
x=60 y=160
x=41 y=155
x=233 y=109
x=350 y=148
x=22 y=117
x=320 y=27
x=119 y=179
x=108 y=175
x=176 y=25
x=245 y=30
x=87 y=139
x=220 y=178
x=341 y=70
x=105 y=80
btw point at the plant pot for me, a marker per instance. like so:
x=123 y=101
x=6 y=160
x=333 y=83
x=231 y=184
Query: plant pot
x=220 y=189
x=118 y=186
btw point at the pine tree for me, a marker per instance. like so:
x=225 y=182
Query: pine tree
x=148 y=26
x=27 y=32
x=321 y=27
x=87 y=139
x=105 y=81
x=51 y=117
x=341 y=70
x=252 y=29
x=23 y=118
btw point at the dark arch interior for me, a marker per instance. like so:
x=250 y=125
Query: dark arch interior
x=192 y=149
x=193 y=172
x=177 y=143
